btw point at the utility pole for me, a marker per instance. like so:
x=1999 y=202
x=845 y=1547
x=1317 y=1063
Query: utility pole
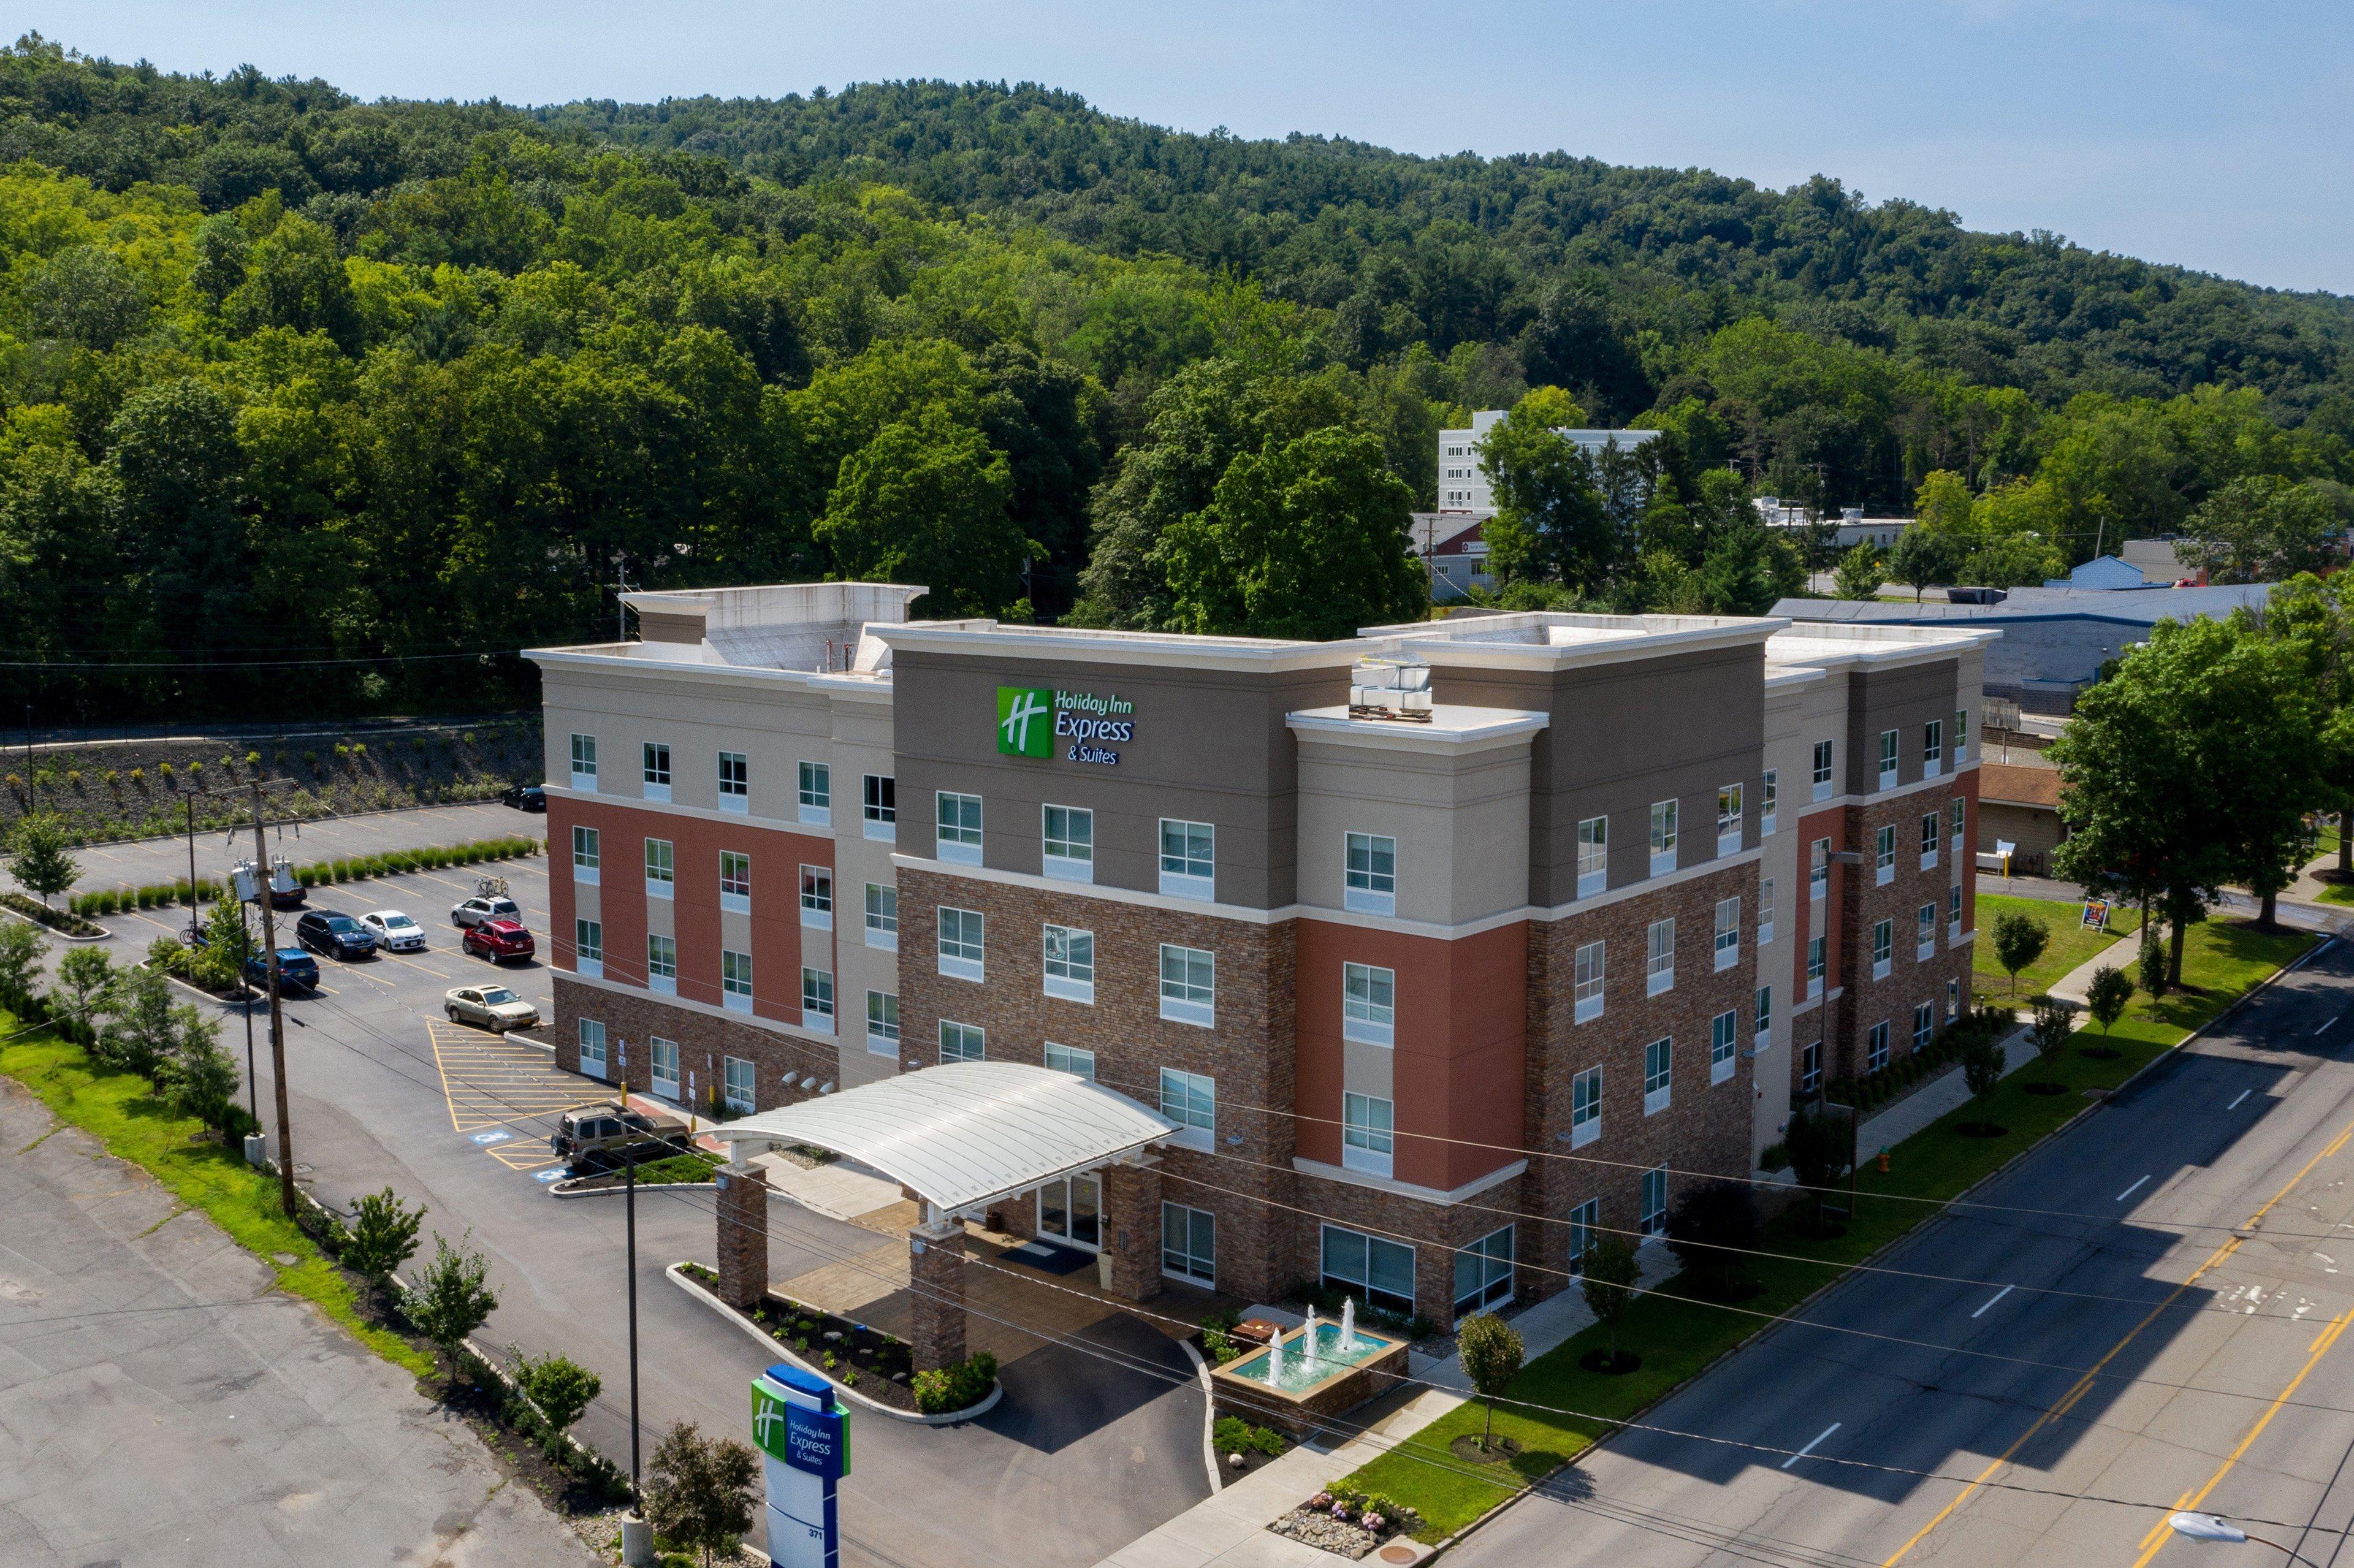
x=194 y=901
x=621 y=606
x=277 y=1020
x=629 y=1205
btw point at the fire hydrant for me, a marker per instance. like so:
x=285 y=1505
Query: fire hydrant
x=1884 y=1163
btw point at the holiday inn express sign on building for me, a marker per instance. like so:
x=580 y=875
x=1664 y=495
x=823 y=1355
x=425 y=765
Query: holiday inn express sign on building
x=1031 y=721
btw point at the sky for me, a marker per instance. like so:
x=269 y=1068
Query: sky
x=2207 y=134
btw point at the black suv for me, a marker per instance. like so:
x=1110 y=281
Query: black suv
x=337 y=935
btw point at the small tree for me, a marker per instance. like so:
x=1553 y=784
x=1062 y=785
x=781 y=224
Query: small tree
x=2054 y=1021
x=2106 y=997
x=2152 y=960
x=219 y=961
x=1859 y=574
x=2020 y=939
x=699 y=1491
x=383 y=1235
x=86 y=981
x=1709 y=1228
x=1608 y=1284
x=1491 y=1352
x=200 y=1079
x=142 y=1029
x=1818 y=1147
x=44 y=861
x=22 y=949
x=560 y=1388
x=1983 y=1060
x=1921 y=556
x=450 y=1300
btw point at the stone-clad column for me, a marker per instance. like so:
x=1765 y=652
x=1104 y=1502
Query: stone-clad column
x=936 y=1279
x=743 y=1242
x=1132 y=1229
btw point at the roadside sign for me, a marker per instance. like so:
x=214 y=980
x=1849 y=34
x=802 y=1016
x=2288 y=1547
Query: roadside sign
x=2096 y=914
x=803 y=1433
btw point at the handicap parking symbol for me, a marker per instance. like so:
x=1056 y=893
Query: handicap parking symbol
x=554 y=1173
x=499 y=1135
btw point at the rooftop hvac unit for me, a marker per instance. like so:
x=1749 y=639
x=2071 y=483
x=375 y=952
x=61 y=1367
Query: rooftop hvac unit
x=1390 y=689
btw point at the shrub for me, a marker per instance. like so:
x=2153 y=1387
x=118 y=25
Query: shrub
x=1709 y=1227
x=1231 y=1434
x=253 y=760
x=957 y=1387
x=342 y=751
x=417 y=744
x=73 y=777
x=138 y=778
x=559 y=1386
x=702 y=1492
x=383 y=1234
x=452 y=1299
x=359 y=748
x=195 y=770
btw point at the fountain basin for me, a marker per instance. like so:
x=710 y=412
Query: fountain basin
x=1333 y=1384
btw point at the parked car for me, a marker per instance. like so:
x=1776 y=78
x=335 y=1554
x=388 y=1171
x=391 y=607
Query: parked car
x=297 y=971
x=393 y=931
x=601 y=1135
x=333 y=933
x=499 y=940
x=490 y=1007
x=472 y=912
x=524 y=797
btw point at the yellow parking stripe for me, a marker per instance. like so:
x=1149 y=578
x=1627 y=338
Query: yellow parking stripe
x=488 y=1081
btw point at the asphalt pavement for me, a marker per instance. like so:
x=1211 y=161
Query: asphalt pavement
x=2143 y=1314
x=1092 y=1446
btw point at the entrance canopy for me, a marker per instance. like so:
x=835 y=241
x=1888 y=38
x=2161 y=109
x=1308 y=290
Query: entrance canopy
x=963 y=1133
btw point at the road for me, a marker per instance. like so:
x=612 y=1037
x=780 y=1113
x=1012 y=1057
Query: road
x=1081 y=1456
x=2191 y=1361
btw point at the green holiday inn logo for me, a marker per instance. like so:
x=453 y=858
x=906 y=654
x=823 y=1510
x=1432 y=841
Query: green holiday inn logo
x=1025 y=721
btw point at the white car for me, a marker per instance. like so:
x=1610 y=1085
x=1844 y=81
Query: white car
x=490 y=1007
x=394 y=932
x=472 y=912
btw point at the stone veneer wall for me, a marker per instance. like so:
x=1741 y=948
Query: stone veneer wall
x=704 y=1043
x=1867 y=1001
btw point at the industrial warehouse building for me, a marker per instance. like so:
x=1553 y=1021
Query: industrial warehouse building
x=1591 y=919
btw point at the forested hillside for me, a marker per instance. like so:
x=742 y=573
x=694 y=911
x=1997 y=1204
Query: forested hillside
x=287 y=378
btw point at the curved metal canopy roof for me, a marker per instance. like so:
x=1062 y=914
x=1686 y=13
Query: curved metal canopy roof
x=964 y=1132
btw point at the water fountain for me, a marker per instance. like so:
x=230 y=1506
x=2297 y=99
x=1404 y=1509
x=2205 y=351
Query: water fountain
x=1310 y=1372
x=1307 y=1342
x=1275 y=1360
x=1348 y=1325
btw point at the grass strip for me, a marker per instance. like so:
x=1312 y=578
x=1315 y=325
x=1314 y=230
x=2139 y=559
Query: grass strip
x=2071 y=944
x=1678 y=1336
x=121 y=1112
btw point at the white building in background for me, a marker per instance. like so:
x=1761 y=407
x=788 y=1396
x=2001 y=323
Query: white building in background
x=1852 y=528
x=1463 y=488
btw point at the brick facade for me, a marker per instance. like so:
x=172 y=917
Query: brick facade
x=1910 y=980
x=743 y=1242
x=935 y=1280
x=780 y=1062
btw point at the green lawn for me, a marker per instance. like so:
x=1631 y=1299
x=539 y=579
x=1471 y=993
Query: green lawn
x=1677 y=1337
x=2071 y=944
x=118 y=1109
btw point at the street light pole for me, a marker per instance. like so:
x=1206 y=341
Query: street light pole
x=193 y=899
x=277 y=1020
x=630 y=1206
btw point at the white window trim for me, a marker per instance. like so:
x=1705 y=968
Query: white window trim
x=963 y=969
x=1928 y=860
x=1068 y=990
x=1721 y=1067
x=1201 y=1015
x=1661 y=1098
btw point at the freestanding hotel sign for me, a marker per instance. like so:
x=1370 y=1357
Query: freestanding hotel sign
x=804 y=1436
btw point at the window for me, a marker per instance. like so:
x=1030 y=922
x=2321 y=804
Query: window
x=585 y=844
x=961 y=943
x=1930 y=825
x=665 y=1066
x=584 y=762
x=1765 y=911
x=1070 y=963
x=1824 y=788
x=1378 y=1272
x=1372 y=874
x=882 y=918
x=1188 y=865
x=736 y=885
x=1070 y=1209
x=1663 y=837
x=1657 y=1081
x=589 y=948
x=1585 y=1225
x=1954 y=913
x=1659 y=958
x=1961 y=735
x=1586 y=1108
x=883 y=1023
x=1589 y=983
x=662 y=965
x=1190 y=1100
x=661 y=870
x=1728 y=932
x=1810 y=1066
x=816 y=794
x=817 y=999
x=735 y=782
x=881 y=818
x=1188 y=986
x=1818 y=958
x=817 y=894
x=1655 y=1202
x=1883 y=856
x=1953 y=1000
x=1071 y=1059
x=1724 y=1034
x=959 y=829
x=1924 y=1023
x=735 y=980
x=592 y=1047
x=1189 y=1243
x=736 y=1075
x=1593 y=857
x=1884 y=943
x=1368 y=1004
x=1960 y=814
x=1483 y=1272
x=656 y=770
x=1768 y=799
x=1933 y=748
x=1070 y=844
x=963 y=1043
x=1924 y=936
x=1763 y=1035
x=1728 y=818
x=1888 y=759
x=1875 y=1056
x=1367 y=1134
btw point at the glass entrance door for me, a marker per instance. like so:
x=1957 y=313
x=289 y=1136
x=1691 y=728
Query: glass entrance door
x=1070 y=1211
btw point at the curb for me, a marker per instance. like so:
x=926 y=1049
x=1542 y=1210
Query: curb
x=558 y=1189
x=1209 y=1415
x=779 y=1348
x=44 y=929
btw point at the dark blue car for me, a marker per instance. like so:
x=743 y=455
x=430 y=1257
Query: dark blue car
x=297 y=971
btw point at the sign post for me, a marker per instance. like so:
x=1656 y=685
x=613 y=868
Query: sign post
x=803 y=1435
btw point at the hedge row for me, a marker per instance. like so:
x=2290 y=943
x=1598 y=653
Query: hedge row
x=319 y=874
x=1873 y=1090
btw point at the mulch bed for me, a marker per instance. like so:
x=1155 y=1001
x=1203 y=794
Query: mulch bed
x=877 y=1364
x=1497 y=1451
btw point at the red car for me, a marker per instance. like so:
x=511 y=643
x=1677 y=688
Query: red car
x=498 y=940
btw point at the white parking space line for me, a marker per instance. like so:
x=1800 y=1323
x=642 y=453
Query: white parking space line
x=2132 y=1189
x=2324 y=1025
x=2235 y=1104
x=1991 y=1300
x=1810 y=1447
